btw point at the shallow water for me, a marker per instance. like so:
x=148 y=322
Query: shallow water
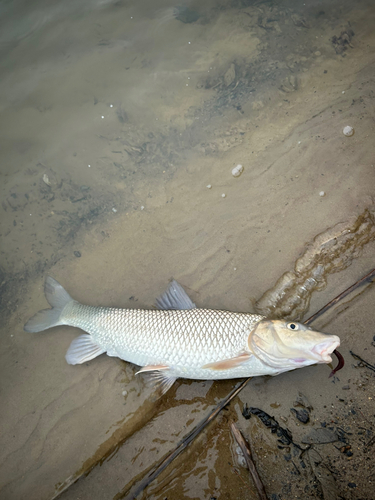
x=116 y=116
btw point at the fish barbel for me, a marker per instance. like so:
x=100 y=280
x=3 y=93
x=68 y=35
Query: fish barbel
x=180 y=340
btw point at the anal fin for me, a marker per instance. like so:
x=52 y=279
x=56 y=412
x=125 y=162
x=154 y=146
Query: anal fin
x=227 y=364
x=158 y=376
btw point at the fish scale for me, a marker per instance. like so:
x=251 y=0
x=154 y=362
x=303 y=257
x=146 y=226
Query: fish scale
x=173 y=337
x=180 y=340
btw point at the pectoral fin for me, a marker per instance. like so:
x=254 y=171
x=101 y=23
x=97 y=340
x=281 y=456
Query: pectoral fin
x=227 y=364
x=83 y=349
x=158 y=376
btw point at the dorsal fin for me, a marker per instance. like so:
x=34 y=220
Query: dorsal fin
x=174 y=297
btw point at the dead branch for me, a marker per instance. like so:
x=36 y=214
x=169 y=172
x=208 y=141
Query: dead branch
x=245 y=448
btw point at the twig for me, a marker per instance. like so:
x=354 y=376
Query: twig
x=366 y=279
x=186 y=441
x=237 y=473
x=245 y=448
x=372 y=367
x=370 y=443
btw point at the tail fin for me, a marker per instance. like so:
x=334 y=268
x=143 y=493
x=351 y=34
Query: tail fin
x=58 y=298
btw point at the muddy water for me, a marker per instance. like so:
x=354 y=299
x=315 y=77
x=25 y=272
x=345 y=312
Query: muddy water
x=116 y=117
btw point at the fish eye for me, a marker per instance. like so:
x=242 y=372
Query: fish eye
x=292 y=326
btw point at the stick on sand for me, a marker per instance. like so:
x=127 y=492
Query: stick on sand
x=245 y=448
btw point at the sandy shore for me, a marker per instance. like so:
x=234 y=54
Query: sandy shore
x=116 y=119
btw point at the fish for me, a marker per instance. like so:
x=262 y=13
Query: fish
x=179 y=340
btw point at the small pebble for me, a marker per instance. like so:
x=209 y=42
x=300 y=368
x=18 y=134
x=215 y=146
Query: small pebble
x=348 y=131
x=302 y=401
x=208 y=186
x=77 y=253
x=301 y=415
x=345 y=448
x=237 y=171
x=223 y=195
x=322 y=193
x=124 y=393
x=240 y=457
x=46 y=180
x=142 y=207
x=114 y=210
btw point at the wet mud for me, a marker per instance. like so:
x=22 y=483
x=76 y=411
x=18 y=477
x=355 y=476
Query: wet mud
x=122 y=123
x=330 y=252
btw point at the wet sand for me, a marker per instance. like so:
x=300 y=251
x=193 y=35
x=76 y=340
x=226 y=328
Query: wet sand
x=114 y=207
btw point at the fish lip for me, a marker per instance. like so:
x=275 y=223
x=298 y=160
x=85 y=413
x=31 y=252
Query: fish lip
x=325 y=349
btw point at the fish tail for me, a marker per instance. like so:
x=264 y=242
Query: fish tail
x=58 y=298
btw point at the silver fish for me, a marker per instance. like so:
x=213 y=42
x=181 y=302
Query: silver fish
x=180 y=340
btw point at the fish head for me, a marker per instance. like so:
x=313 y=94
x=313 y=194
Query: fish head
x=286 y=345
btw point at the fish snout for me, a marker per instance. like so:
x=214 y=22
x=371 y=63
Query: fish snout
x=325 y=349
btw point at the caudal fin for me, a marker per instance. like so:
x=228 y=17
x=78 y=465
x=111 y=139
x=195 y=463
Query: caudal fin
x=58 y=298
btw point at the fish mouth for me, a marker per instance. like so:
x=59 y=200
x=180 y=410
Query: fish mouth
x=325 y=349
